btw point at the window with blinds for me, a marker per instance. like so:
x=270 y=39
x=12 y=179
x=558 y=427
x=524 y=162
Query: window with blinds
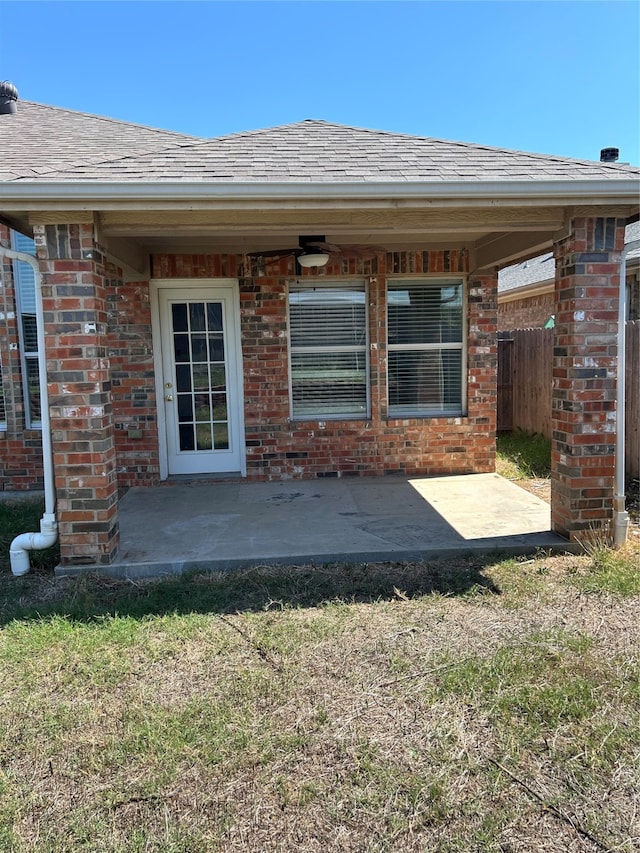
x=426 y=355
x=25 y=286
x=328 y=350
x=3 y=411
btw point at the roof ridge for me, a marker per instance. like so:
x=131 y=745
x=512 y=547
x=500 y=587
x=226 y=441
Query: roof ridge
x=555 y=158
x=308 y=121
x=110 y=119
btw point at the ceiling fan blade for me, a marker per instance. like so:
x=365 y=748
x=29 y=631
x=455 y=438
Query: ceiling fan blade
x=329 y=248
x=275 y=253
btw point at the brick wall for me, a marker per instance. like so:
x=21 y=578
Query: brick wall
x=20 y=448
x=531 y=313
x=133 y=392
x=278 y=448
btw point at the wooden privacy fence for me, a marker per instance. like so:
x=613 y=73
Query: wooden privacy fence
x=525 y=371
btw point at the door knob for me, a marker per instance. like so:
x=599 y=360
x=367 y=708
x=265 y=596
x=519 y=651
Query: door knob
x=169 y=398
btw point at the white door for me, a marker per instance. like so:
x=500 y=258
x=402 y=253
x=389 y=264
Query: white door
x=201 y=379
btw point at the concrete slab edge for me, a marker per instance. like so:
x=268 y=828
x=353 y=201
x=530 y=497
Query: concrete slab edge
x=133 y=571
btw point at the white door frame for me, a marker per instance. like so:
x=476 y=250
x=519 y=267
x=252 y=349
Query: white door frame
x=236 y=373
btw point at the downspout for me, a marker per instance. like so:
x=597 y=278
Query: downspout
x=48 y=535
x=620 y=515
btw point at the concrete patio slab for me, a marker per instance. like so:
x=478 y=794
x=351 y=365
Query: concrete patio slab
x=177 y=527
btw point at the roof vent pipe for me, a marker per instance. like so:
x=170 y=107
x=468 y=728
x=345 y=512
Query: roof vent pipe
x=609 y=155
x=8 y=98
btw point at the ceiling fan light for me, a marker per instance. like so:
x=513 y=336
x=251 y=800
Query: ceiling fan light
x=313 y=259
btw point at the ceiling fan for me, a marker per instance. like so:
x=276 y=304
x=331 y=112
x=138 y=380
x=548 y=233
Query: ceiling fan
x=314 y=251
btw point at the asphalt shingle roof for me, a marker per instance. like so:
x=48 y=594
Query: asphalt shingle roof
x=533 y=271
x=39 y=139
x=49 y=144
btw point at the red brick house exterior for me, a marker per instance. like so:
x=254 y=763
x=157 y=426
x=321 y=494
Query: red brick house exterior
x=151 y=245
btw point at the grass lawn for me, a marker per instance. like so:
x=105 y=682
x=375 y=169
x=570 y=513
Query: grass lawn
x=522 y=456
x=473 y=706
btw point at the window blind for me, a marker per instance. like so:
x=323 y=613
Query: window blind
x=425 y=322
x=25 y=286
x=328 y=337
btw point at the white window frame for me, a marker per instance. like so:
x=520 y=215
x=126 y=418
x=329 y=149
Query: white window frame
x=31 y=355
x=427 y=410
x=360 y=286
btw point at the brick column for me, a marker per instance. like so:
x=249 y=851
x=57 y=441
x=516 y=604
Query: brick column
x=80 y=391
x=585 y=374
x=482 y=369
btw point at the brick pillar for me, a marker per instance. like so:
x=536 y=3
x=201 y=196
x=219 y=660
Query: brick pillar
x=585 y=372
x=80 y=392
x=482 y=368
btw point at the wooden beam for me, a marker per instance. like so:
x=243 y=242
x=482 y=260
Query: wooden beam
x=263 y=221
x=503 y=249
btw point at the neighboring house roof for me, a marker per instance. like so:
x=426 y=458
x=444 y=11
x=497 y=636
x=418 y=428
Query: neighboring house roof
x=527 y=273
x=40 y=139
x=48 y=144
x=631 y=234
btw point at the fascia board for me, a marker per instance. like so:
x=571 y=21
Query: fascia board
x=393 y=193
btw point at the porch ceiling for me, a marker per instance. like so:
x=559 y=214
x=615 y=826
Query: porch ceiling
x=492 y=236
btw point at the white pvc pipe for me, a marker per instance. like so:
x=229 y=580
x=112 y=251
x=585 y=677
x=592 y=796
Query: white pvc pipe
x=25 y=542
x=620 y=515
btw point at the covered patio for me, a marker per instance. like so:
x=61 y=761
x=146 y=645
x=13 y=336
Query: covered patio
x=186 y=333
x=191 y=525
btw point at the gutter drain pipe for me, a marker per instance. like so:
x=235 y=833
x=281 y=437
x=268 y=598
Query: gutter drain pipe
x=620 y=515
x=48 y=535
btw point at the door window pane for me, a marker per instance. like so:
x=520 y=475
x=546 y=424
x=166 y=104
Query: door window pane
x=214 y=316
x=181 y=348
x=186 y=437
x=179 y=317
x=219 y=406
x=199 y=347
x=200 y=376
x=203 y=437
x=218 y=381
x=196 y=316
x=183 y=377
x=221 y=436
x=216 y=348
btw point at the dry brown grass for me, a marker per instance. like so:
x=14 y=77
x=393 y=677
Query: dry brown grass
x=497 y=716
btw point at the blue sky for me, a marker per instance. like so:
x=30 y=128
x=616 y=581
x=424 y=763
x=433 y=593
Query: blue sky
x=548 y=76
